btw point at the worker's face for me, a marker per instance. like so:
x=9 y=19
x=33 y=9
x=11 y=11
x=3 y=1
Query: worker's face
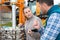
x=28 y=13
x=43 y=8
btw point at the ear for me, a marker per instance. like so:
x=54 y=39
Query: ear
x=44 y=4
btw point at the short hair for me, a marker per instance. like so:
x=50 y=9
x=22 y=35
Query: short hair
x=48 y=2
x=25 y=8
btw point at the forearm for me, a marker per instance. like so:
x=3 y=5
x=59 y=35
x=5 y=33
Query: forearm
x=35 y=35
x=52 y=28
x=41 y=30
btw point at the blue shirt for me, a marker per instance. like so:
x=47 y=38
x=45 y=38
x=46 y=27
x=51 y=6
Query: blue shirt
x=52 y=29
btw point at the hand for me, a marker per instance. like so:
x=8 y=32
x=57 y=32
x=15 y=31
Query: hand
x=30 y=32
x=36 y=24
x=19 y=25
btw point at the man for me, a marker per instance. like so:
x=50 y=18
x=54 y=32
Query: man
x=52 y=30
x=30 y=20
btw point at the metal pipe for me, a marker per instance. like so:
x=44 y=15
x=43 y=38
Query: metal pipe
x=13 y=14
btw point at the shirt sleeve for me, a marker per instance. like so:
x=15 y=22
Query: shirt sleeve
x=53 y=28
x=41 y=30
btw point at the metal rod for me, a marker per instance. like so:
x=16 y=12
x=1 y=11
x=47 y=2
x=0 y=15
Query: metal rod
x=13 y=16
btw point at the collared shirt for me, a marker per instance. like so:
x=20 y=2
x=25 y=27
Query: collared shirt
x=52 y=29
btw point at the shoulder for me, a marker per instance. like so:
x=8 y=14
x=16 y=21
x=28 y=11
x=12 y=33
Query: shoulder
x=37 y=18
x=55 y=15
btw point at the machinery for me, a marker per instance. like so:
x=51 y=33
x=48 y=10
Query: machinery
x=13 y=32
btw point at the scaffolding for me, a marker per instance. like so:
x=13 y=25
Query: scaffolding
x=12 y=33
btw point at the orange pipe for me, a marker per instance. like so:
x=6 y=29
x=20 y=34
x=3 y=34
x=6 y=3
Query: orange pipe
x=2 y=1
x=20 y=4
